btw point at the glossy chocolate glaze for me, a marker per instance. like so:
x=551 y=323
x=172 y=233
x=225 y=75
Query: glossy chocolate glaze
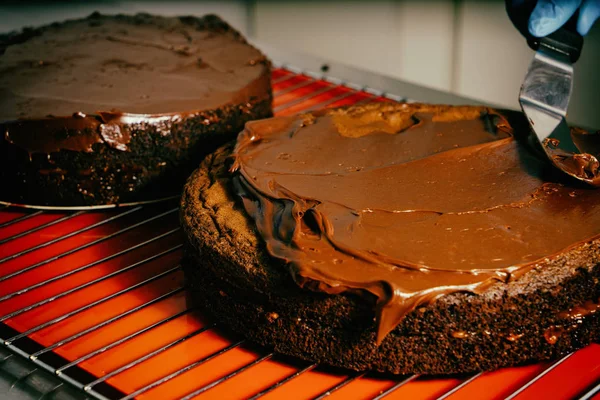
x=584 y=165
x=406 y=202
x=68 y=86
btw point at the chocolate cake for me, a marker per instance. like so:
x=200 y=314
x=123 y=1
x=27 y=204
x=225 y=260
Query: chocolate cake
x=403 y=238
x=113 y=109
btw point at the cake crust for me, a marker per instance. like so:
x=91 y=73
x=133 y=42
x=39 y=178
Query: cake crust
x=546 y=313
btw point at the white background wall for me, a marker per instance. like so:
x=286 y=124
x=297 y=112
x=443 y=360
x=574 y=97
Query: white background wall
x=468 y=47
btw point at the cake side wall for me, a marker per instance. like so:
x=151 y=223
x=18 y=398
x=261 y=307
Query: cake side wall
x=155 y=165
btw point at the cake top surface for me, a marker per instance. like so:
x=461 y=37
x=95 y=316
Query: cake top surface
x=138 y=64
x=406 y=201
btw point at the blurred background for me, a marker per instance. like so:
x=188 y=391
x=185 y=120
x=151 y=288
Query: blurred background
x=467 y=47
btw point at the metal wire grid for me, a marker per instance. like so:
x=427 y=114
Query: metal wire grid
x=90 y=387
x=68 y=370
x=25 y=381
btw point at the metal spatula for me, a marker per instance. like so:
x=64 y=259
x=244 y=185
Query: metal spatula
x=544 y=98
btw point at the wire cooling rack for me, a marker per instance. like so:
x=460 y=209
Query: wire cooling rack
x=93 y=305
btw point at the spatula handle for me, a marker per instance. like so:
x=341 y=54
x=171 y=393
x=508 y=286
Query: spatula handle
x=566 y=40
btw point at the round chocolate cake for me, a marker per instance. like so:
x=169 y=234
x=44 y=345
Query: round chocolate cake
x=113 y=109
x=403 y=238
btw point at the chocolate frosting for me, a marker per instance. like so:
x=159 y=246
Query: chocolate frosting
x=70 y=77
x=584 y=165
x=406 y=202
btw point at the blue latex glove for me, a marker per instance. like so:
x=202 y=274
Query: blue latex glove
x=543 y=17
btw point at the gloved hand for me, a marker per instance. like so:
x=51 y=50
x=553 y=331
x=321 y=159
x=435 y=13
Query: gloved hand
x=543 y=17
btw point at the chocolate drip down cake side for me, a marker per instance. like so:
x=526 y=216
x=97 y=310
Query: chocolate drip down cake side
x=114 y=109
x=401 y=238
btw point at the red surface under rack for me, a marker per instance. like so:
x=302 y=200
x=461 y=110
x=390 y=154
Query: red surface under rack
x=104 y=290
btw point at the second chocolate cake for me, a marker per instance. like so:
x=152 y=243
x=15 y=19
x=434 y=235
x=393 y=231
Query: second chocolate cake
x=403 y=238
x=113 y=109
